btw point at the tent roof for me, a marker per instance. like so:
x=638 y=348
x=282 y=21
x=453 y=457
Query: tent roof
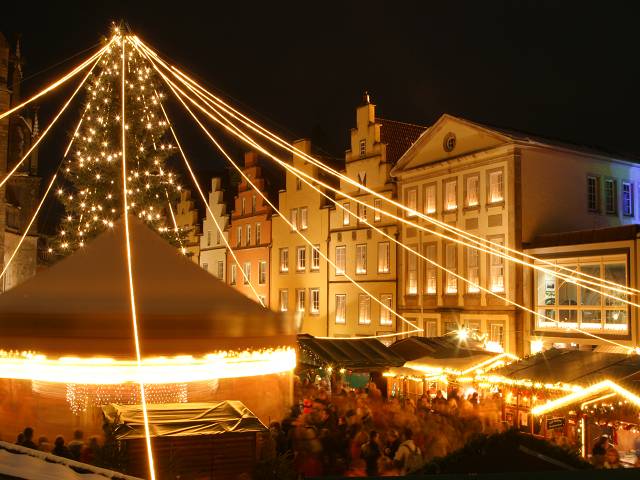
x=439 y=348
x=183 y=419
x=579 y=367
x=365 y=353
x=81 y=305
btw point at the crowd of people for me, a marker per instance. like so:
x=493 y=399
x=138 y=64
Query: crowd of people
x=356 y=432
x=77 y=449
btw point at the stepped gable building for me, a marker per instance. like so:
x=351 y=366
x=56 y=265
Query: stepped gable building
x=213 y=251
x=188 y=220
x=20 y=195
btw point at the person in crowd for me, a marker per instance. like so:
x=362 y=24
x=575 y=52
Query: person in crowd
x=91 y=453
x=358 y=440
x=278 y=438
x=60 y=449
x=43 y=444
x=393 y=443
x=20 y=439
x=371 y=452
x=76 y=445
x=408 y=458
x=386 y=467
x=28 y=439
x=599 y=450
x=612 y=459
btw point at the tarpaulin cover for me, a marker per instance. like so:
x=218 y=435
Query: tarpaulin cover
x=182 y=419
x=441 y=348
x=81 y=306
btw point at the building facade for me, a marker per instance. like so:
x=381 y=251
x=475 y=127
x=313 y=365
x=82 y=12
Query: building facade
x=500 y=186
x=299 y=273
x=188 y=221
x=20 y=195
x=357 y=250
x=250 y=234
x=213 y=250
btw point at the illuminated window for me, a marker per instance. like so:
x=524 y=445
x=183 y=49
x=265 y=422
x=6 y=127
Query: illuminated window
x=258 y=233
x=220 y=269
x=377 y=204
x=363 y=148
x=361 y=259
x=341 y=259
x=247 y=272
x=496 y=186
x=239 y=236
x=346 y=217
x=218 y=238
x=208 y=237
x=473 y=269
x=244 y=204
x=284 y=300
x=384 y=257
x=315 y=258
x=262 y=272
x=496 y=269
x=610 y=196
x=472 y=193
x=450 y=195
x=430 y=199
x=496 y=333
x=294 y=218
x=248 y=239
x=303 y=218
x=364 y=309
x=298 y=183
x=314 y=305
x=592 y=194
x=430 y=329
x=253 y=204
x=430 y=270
x=451 y=263
x=412 y=273
x=341 y=308
x=301 y=259
x=300 y=300
x=412 y=201
x=233 y=274
x=385 y=314
x=627 y=199
x=284 y=260
x=362 y=212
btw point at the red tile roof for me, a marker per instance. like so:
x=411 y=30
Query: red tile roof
x=398 y=136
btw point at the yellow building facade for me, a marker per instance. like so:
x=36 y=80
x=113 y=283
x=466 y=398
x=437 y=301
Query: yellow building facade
x=188 y=220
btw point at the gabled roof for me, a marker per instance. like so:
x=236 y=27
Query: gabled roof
x=81 y=306
x=398 y=136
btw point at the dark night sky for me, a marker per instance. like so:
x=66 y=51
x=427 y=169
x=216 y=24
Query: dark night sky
x=563 y=69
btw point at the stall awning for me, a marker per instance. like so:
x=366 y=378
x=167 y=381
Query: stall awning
x=182 y=419
x=445 y=347
x=352 y=353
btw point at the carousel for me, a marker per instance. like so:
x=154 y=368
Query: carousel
x=67 y=343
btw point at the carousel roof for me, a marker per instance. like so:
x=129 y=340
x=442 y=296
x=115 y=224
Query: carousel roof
x=81 y=305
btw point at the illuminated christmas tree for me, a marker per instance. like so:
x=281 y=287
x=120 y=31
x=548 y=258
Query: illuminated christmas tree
x=91 y=190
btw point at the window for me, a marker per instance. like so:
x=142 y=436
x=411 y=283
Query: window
x=301 y=259
x=592 y=194
x=247 y=272
x=451 y=263
x=610 y=196
x=412 y=272
x=346 y=217
x=341 y=308
x=284 y=300
x=361 y=259
x=205 y=266
x=496 y=333
x=220 y=269
x=430 y=329
x=218 y=239
x=377 y=206
x=384 y=257
x=363 y=148
x=472 y=194
x=258 y=233
x=233 y=274
x=248 y=239
x=566 y=305
x=430 y=199
x=294 y=218
x=496 y=186
x=362 y=178
x=239 y=235
x=244 y=205
x=430 y=270
x=315 y=258
x=284 y=260
x=314 y=305
x=364 y=309
x=385 y=314
x=496 y=270
x=303 y=218
x=412 y=201
x=253 y=204
x=262 y=272
x=298 y=183
x=362 y=212
x=300 y=300
x=627 y=199
x=450 y=195
x=341 y=259
x=473 y=270
x=208 y=237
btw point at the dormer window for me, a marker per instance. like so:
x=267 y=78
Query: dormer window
x=363 y=148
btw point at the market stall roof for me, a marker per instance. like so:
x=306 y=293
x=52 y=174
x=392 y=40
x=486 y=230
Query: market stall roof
x=81 y=305
x=445 y=347
x=182 y=419
x=577 y=367
x=352 y=353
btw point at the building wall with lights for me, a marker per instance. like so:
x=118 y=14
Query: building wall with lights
x=298 y=273
x=213 y=251
x=250 y=235
x=187 y=219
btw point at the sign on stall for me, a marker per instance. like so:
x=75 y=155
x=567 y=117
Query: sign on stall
x=555 y=423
